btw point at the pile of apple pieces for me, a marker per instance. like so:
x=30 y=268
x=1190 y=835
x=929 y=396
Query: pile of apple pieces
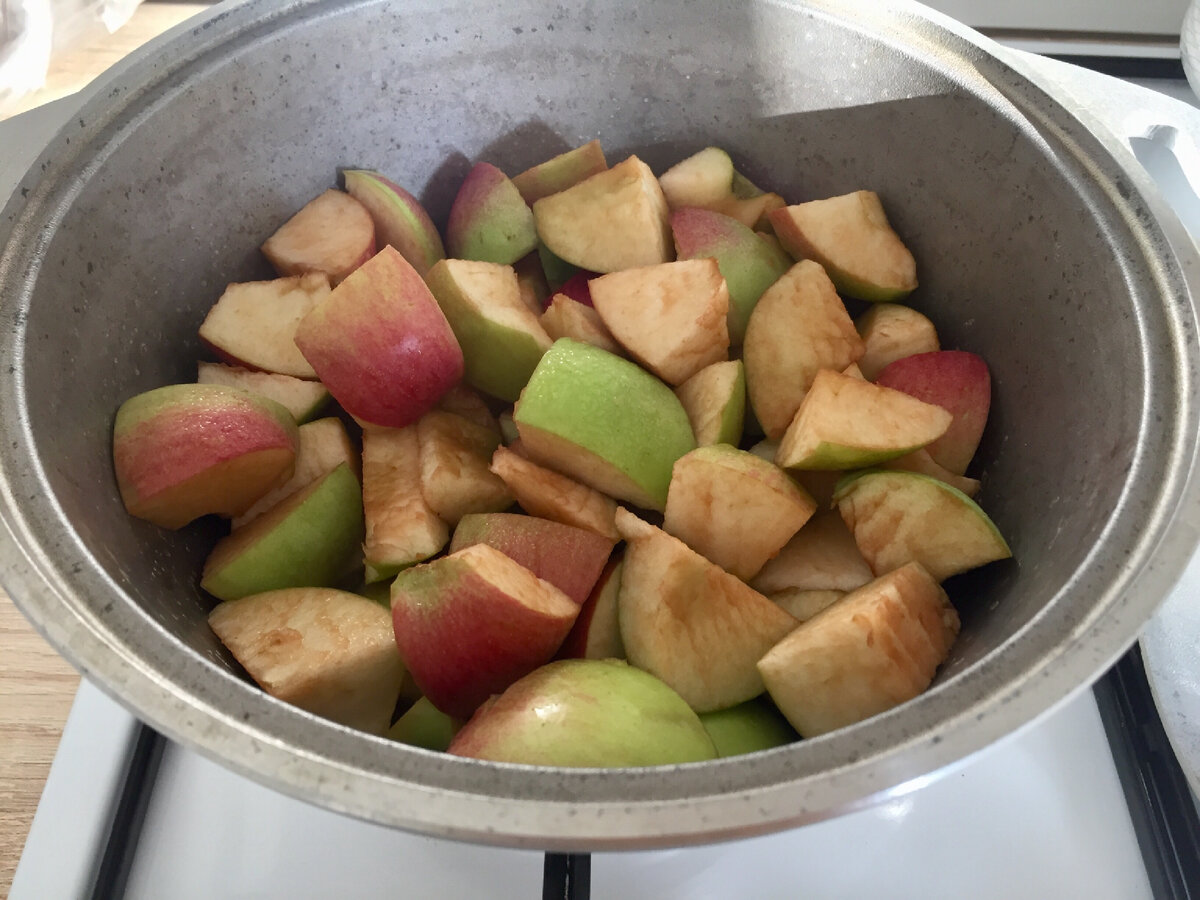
x=628 y=319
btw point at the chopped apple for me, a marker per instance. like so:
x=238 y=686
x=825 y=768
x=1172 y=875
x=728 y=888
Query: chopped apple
x=958 y=382
x=733 y=508
x=501 y=339
x=715 y=402
x=401 y=527
x=567 y=318
x=455 y=476
x=753 y=212
x=333 y=233
x=849 y=423
x=532 y=284
x=604 y=421
x=400 y=219
x=822 y=556
x=470 y=624
x=853 y=371
x=748 y=727
x=891 y=332
x=798 y=328
x=381 y=344
x=596 y=633
x=545 y=493
x=308 y=540
x=254 y=324
x=303 y=399
x=187 y=450
x=850 y=236
x=578 y=287
x=689 y=622
x=328 y=652
x=671 y=317
x=561 y=172
x=556 y=271
x=616 y=219
x=921 y=462
x=322 y=446
x=462 y=401
x=424 y=725
x=805 y=604
x=852 y=661
x=703 y=180
x=902 y=517
x=489 y=220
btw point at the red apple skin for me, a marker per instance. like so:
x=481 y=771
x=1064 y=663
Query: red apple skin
x=590 y=638
x=489 y=220
x=463 y=638
x=576 y=287
x=569 y=558
x=400 y=219
x=958 y=382
x=381 y=344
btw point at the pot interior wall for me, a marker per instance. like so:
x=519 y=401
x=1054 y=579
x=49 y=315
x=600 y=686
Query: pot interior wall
x=1007 y=251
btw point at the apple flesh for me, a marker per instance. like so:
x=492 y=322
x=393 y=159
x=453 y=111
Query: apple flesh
x=822 y=556
x=400 y=219
x=596 y=633
x=308 y=540
x=549 y=495
x=715 y=402
x=470 y=624
x=187 y=450
x=589 y=713
x=703 y=180
x=303 y=399
x=463 y=401
x=805 y=604
x=254 y=324
x=381 y=344
x=748 y=727
x=489 y=220
x=891 y=332
x=568 y=557
x=567 y=318
x=424 y=725
x=561 y=172
x=333 y=233
x=328 y=652
x=922 y=463
x=455 y=476
x=604 y=421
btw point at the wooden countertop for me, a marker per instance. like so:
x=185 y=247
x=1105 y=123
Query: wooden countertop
x=36 y=685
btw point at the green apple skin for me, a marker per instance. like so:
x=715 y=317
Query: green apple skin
x=748 y=727
x=187 y=450
x=556 y=269
x=400 y=219
x=490 y=221
x=605 y=421
x=306 y=541
x=586 y=713
x=748 y=263
x=424 y=725
x=563 y=171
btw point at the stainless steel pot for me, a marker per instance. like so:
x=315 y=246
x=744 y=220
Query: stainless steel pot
x=1039 y=246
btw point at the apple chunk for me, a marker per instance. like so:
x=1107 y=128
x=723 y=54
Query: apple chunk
x=400 y=219
x=381 y=344
x=545 y=493
x=671 y=317
x=328 y=652
x=702 y=180
x=187 y=450
x=567 y=318
x=333 y=233
x=748 y=727
x=715 y=402
x=733 y=508
x=806 y=604
x=455 y=456
x=850 y=236
x=563 y=171
x=489 y=220
x=821 y=556
x=470 y=624
x=689 y=622
x=891 y=332
x=424 y=725
x=303 y=399
x=614 y=220
x=254 y=323
x=596 y=633
x=798 y=328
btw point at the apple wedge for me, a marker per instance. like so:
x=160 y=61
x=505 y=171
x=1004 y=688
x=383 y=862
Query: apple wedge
x=333 y=233
x=805 y=604
x=463 y=401
x=254 y=324
x=689 y=622
x=748 y=727
x=798 y=327
x=567 y=318
x=531 y=282
x=328 y=652
x=308 y=540
x=871 y=651
x=561 y=172
x=322 y=446
x=891 y=332
x=381 y=344
x=850 y=236
x=715 y=402
x=605 y=714
x=958 y=382
x=303 y=399
x=703 y=180
x=604 y=421
x=821 y=556
x=596 y=633
x=545 y=493
x=401 y=528
x=568 y=557
x=733 y=508
x=424 y=725
x=187 y=450
x=501 y=339
x=848 y=423
x=921 y=462
x=556 y=271
x=400 y=219
x=470 y=624
x=902 y=517
x=455 y=476
x=616 y=219
x=671 y=317
x=489 y=220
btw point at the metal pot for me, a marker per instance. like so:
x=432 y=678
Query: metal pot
x=1039 y=246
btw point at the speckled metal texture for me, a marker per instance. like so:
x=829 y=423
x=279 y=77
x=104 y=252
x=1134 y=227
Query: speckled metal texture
x=1039 y=247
